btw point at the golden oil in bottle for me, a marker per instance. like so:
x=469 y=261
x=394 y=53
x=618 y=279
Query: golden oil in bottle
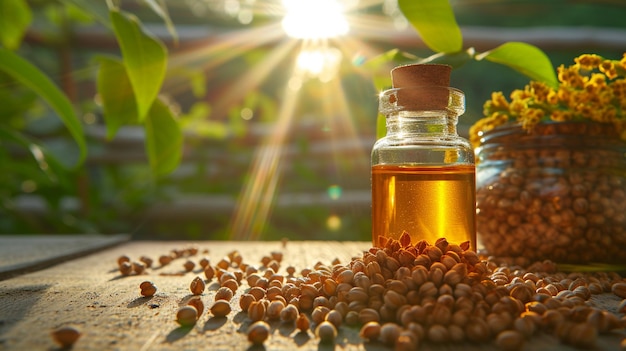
x=428 y=202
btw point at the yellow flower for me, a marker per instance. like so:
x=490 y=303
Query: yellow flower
x=569 y=76
x=517 y=106
x=593 y=88
x=595 y=83
x=618 y=88
x=499 y=100
x=538 y=90
x=563 y=94
x=588 y=61
x=552 y=98
x=561 y=115
x=608 y=68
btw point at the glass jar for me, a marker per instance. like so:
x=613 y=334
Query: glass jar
x=423 y=174
x=558 y=193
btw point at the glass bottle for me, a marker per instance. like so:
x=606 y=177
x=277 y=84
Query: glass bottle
x=423 y=172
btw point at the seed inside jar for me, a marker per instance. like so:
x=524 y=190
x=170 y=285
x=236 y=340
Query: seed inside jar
x=561 y=203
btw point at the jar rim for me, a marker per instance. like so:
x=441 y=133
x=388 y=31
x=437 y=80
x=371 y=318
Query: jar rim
x=571 y=135
x=569 y=128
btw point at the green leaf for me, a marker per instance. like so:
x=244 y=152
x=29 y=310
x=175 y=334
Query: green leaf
x=97 y=9
x=116 y=93
x=524 y=58
x=145 y=58
x=15 y=103
x=379 y=66
x=195 y=77
x=30 y=76
x=46 y=162
x=455 y=59
x=395 y=55
x=79 y=16
x=381 y=126
x=15 y=17
x=160 y=9
x=197 y=123
x=164 y=139
x=435 y=22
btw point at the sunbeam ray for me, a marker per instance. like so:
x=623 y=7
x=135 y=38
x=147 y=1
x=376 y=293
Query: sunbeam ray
x=255 y=201
x=253 y=78
x=220 y=49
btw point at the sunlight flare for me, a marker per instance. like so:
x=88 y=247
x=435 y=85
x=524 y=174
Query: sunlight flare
x=314 y=19
x=320 y=61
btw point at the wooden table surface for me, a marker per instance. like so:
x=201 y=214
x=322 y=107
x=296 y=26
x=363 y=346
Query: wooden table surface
x=90 y=294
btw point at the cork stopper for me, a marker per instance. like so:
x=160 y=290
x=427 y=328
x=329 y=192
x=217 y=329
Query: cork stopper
x=420 y=86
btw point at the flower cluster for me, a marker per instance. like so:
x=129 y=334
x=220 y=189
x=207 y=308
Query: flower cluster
x=592 y=89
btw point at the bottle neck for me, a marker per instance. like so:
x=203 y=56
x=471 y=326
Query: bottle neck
x=422 y=123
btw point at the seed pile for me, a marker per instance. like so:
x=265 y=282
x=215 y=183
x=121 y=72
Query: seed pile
x=405 y=295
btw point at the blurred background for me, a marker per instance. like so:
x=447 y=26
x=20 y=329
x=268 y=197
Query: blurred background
x=277 y=106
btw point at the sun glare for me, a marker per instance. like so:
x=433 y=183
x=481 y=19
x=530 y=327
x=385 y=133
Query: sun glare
x=314 y=19
x=321 y=62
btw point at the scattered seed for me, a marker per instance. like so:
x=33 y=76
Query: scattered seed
x=164 y=260
x=138 y=267
x=220 y=308
x=204 y=262
x=510 y=340
x=66 y=336
x=122 y=259
x=303 y=322
x=147 y=288
x=209 y=273
x=223 y=293
x=274 y=309
x=189 y=265
x=187 y=316
x=197 y=303
x=289 y=314
x=126 y=268
x=370 y=331
x=389 y=333
x=146 y=260
x=231 y=284
x=622 y=307
x=245 y=301
x=326 y=332
x=619 y=289
x=258 y=332
x=256 y=311
x=197 y=286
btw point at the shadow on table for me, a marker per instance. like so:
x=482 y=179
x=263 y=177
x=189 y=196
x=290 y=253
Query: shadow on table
x=139 y=301
x=301 y=338
x=178 y=334
x=17 y=302
x=214 y=323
